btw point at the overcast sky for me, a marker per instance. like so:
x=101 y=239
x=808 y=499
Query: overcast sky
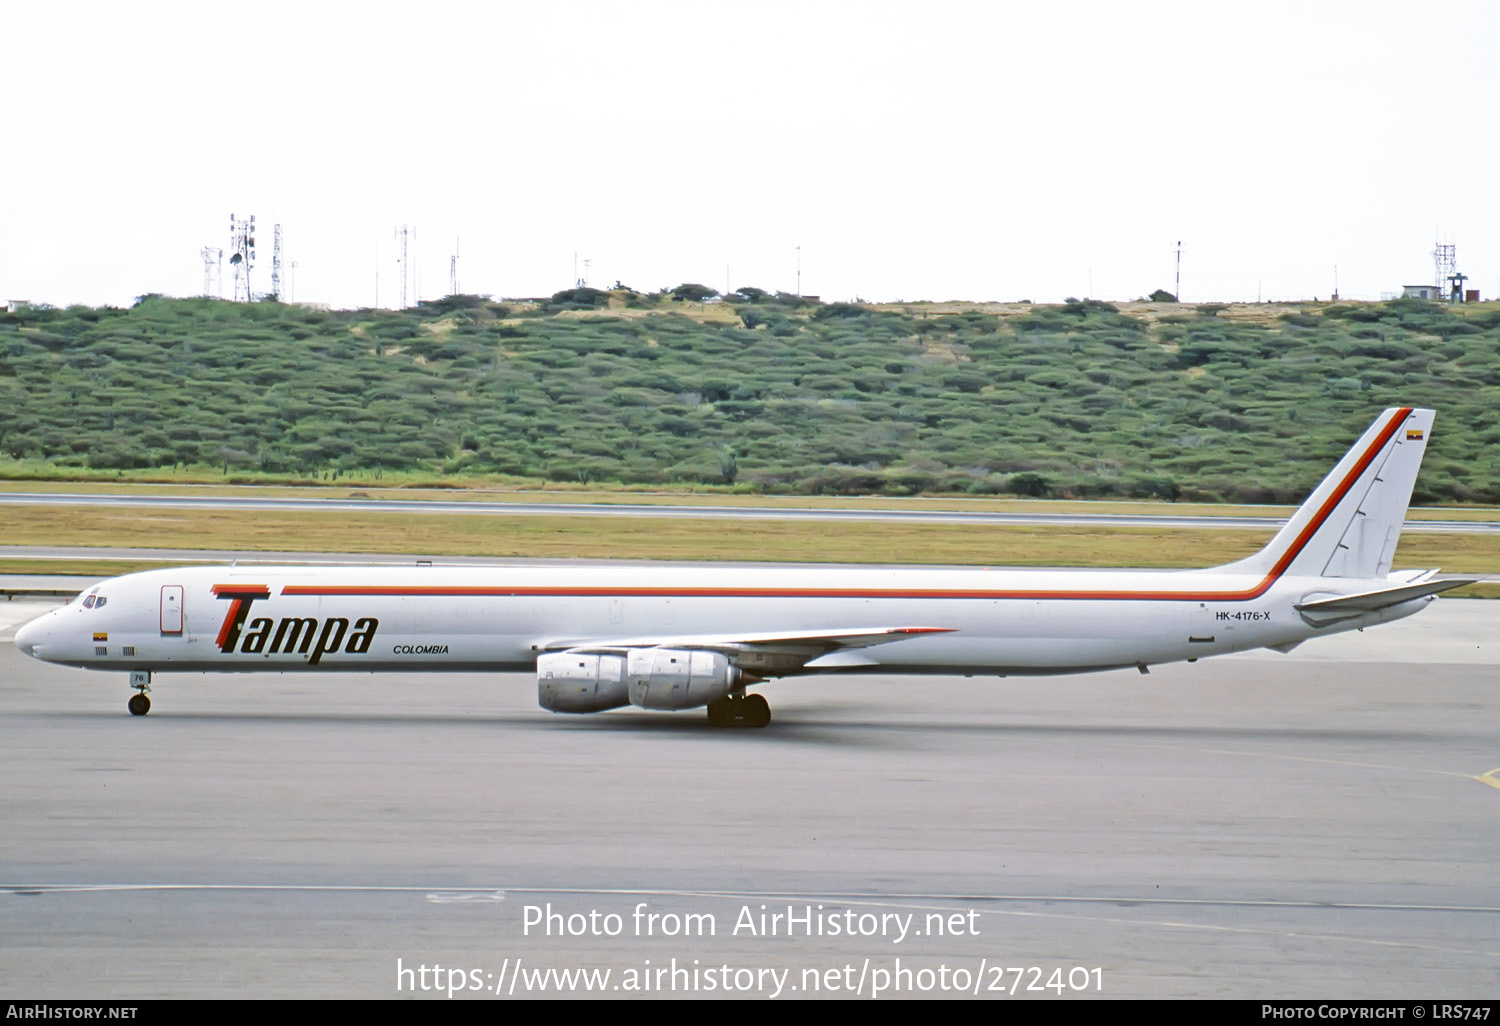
x=921 y=150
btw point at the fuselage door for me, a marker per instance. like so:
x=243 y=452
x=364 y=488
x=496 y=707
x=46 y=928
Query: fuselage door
x=171 y=609
x=1217 y=624
x=1202 y=630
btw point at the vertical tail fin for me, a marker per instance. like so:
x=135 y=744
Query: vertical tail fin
x=1349 y=525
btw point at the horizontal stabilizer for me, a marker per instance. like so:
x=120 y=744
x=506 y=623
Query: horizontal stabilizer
x=1369 y=601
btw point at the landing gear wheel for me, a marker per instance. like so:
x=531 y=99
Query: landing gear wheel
x=139 y=705
x=739 y=711
x=721 y=713
x=755 y=711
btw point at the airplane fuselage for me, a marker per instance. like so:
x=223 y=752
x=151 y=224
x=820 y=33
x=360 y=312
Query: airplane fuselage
x=501 y=618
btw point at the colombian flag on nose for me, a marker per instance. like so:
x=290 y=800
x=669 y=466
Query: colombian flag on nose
x=101 y=636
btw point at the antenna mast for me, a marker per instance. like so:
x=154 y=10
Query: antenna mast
x=1445 y=258
x=242 y=255
x=276 y=264
x=403 y=233
x=213 y=272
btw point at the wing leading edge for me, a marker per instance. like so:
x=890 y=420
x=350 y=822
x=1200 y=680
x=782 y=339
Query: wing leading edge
x=790 y=643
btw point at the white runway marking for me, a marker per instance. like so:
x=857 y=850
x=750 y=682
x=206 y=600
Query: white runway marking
x=951 y=902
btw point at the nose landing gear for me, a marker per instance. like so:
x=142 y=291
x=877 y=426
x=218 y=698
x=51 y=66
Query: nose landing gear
x=139 y=704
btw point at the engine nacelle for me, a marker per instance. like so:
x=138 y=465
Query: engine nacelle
x=581 y=682
x=675 y=678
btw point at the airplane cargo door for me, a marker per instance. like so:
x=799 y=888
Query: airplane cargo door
x=171 y=609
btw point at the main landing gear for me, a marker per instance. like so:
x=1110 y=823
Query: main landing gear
x=740 y=711
x=139 y=704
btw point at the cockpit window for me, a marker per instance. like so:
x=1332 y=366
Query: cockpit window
x=88 y=603
x=99 y=604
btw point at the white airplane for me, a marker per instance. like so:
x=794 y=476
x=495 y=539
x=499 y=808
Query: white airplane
x=694 y=636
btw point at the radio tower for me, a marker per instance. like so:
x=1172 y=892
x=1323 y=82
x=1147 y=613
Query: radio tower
x=242 y=255
x=453 y=271
x=403 y=233
x=213 y=272
x=1446 y=260
x=276 y=263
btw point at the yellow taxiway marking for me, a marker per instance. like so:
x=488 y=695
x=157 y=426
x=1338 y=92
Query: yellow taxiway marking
x=1492 y=778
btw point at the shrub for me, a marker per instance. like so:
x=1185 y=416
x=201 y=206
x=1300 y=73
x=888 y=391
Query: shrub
x=691 y=292
x=581 y=298
x=1034 y=485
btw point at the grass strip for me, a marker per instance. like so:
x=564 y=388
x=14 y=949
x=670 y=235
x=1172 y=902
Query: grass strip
x=689 y=539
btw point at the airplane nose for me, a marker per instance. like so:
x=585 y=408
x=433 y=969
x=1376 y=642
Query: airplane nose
x=28 y=637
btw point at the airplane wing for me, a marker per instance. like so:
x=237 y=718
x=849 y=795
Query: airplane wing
x=765 y=652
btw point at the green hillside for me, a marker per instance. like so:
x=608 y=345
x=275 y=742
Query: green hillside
x=759 y=392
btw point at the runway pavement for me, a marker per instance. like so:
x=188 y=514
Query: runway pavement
x=1321 y=824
